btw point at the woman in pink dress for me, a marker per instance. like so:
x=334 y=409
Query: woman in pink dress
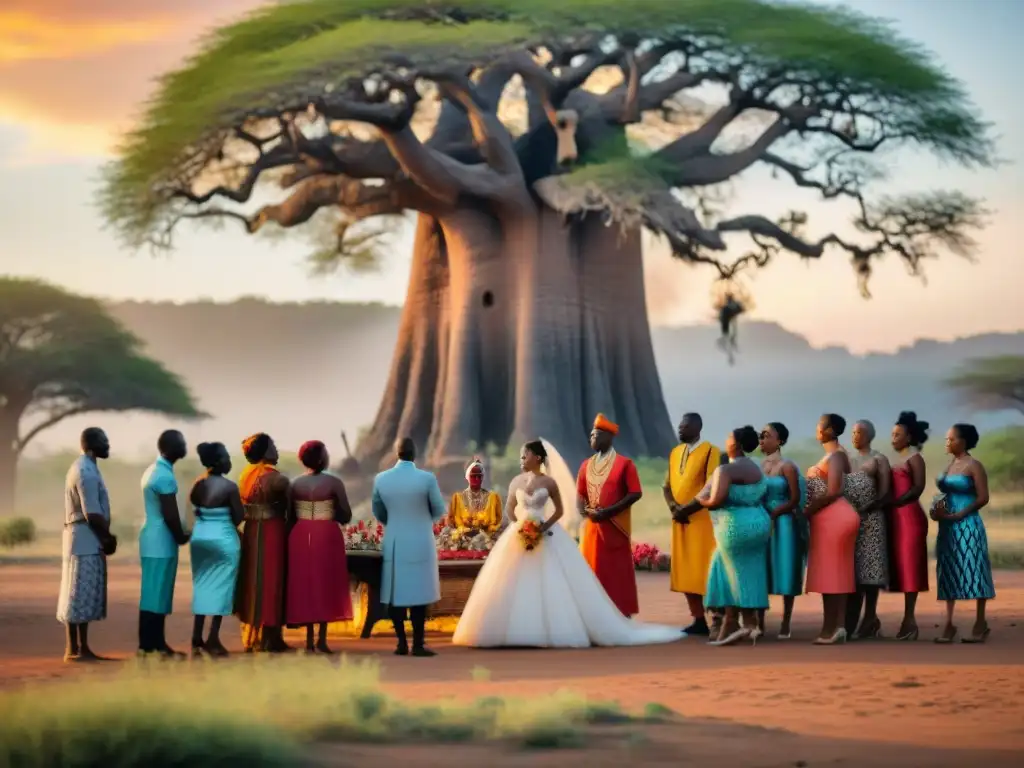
x=318 y=589
x=834 y=525
x=908 y=524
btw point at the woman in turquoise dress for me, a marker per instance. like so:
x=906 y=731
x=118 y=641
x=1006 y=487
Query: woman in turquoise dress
x=962 y=568
x=738 y=578
x=785 y=497
x=215 y=547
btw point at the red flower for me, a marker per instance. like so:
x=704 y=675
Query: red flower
x=362 y=525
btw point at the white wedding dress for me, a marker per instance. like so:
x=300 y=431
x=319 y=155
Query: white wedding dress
x=547 y=597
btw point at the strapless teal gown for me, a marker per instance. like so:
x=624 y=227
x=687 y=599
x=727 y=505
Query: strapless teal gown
x=962 y=566
x=787 y=550
x=216 y=551
x=739 y=568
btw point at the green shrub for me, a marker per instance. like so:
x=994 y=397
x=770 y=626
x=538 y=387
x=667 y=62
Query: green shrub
x=17 y=532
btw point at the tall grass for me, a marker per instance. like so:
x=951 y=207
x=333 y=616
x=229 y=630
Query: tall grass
x=264 y=713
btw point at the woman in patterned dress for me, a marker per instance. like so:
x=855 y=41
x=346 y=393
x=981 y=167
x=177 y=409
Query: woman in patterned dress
x=962 y=568
x=785 y=497
x=908 y=524
x=738 y=578
x=834 y=523
x=868 y=488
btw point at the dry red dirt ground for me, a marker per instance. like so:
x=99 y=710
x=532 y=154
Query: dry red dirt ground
x=777 y=704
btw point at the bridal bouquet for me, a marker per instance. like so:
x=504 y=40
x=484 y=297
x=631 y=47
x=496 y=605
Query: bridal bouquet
x=529 y=534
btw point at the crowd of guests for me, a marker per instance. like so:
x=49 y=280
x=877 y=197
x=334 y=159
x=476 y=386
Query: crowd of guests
x=742 y=530
x=295 y=522
x=853 y=522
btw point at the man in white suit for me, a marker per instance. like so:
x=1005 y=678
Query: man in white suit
x=407 y=501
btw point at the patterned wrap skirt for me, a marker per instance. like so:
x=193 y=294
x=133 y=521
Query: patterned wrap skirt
x=83 y=589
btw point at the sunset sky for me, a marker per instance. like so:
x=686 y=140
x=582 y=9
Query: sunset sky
x=74 y=73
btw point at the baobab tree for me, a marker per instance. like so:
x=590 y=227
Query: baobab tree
x=525 y=312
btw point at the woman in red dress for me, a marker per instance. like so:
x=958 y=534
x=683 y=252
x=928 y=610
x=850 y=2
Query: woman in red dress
x=259 y=601
x=318 y=589
x=908 y=524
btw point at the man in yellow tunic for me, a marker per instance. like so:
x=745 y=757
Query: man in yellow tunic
x=693 y=538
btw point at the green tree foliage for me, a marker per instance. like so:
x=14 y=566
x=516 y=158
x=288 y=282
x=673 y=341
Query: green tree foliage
x=1003 y=456
x=63 y=355
x=833 y=86
x=991 y=383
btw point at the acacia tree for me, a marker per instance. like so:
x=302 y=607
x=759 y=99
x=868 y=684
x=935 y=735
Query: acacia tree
x=62 y=355
x=991 y=383
x=525 y=312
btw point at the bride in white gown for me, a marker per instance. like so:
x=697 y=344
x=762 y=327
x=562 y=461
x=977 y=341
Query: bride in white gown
x=546 y=597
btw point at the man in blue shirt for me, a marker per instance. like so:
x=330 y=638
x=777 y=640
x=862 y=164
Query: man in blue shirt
x=159 y=539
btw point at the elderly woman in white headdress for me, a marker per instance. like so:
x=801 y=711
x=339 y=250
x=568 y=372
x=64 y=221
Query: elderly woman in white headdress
x=475 y=508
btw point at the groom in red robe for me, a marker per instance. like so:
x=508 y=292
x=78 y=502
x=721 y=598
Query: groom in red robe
x=607 y=486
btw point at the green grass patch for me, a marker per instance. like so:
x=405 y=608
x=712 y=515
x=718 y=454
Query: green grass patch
x=1007 y=558
x=263 y=712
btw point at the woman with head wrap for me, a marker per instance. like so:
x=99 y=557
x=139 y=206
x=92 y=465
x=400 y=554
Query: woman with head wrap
x=868 y=489
x=318 y=589
x=475 y=508
x=908 y=524
x=963 y=570
x=264 y=494
x=833 y=531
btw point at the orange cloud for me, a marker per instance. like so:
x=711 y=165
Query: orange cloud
x=25 y=36
x=73 y=74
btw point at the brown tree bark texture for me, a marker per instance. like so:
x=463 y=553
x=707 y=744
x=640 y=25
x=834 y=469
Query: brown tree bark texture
x=519 y=329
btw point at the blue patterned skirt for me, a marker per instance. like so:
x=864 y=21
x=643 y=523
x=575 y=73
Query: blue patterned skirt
x=963 y=569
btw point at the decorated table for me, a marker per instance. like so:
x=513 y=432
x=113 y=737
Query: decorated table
x=460 y=555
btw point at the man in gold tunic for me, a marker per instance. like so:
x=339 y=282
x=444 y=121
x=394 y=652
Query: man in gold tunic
x=693 y=538
x=475 y=508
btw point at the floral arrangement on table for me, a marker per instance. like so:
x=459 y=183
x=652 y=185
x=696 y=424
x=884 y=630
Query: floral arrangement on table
x=363 y=536
x=647 y=557
x=457 y=543
x=465 y=544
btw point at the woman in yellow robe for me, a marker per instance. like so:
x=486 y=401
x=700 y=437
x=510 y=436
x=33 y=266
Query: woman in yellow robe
x=475 y=508
x=691 y=465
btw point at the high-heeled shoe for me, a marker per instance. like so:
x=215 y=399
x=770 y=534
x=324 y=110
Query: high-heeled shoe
x=871 y=632
x=977 y=639
x=755 y=633
x=740 y=634
x=838 y=638
x=785 y=636
x=910 y=636
x=943 y=640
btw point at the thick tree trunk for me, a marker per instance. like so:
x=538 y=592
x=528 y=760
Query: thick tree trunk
x=407 y=407
x=620 y=375
x=519 y=329
x=474 y=400
x=8 y=465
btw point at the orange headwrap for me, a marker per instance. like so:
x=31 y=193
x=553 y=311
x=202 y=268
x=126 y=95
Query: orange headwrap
x=255 y=447
x=605 y=425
